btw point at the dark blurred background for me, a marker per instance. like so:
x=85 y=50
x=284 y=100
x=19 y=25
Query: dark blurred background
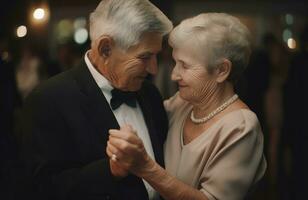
x=40 y=38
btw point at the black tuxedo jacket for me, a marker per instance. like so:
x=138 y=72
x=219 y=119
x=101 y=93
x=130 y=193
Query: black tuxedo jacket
x=64 y=137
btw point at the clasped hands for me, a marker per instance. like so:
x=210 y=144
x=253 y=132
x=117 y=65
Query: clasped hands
x=126 y=152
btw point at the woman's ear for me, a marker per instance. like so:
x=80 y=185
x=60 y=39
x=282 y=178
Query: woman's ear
x=223 y=70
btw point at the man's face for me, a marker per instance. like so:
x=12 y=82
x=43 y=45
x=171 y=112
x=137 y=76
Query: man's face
x=127 y=70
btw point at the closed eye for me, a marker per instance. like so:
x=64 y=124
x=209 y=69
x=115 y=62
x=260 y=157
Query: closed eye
x=182 y=64
x=185 y=66
x=145 y=56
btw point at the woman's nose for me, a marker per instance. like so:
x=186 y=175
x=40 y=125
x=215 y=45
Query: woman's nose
x=175 y=75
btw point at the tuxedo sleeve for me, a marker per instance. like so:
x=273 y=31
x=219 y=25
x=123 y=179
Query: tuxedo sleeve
x=50 y=157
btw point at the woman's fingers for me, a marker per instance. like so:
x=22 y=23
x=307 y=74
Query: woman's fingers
x=121 y=144
x=127 y=155
x=123 y=159
x=128 y=128
x=126 y=148
x=125 y=135
x=129 y=151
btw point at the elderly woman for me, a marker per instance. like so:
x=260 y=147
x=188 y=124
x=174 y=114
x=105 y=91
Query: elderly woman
x=214 y=148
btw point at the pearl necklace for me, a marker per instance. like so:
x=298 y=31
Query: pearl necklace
x=215 y=112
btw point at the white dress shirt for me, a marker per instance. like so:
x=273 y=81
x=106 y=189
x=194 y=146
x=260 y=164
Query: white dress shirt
x=126 y=115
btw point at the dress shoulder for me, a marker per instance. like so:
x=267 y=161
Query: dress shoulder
x=238 y=146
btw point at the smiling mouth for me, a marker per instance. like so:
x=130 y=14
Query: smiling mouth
x=182 y=85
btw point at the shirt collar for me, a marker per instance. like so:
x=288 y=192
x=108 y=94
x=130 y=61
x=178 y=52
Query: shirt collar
x=100 y=80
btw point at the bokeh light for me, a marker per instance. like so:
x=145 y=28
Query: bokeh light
x=81 y=35
x=39 y=14
x=291 y=43
x=21 y=31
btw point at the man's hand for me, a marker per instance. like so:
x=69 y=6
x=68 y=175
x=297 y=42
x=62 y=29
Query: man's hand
x=115 y=168
x=126 y=149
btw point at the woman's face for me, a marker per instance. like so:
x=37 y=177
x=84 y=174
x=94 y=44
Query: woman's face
x=190 y=72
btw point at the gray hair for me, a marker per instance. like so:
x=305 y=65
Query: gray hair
x=219 y=35
x=126 y=20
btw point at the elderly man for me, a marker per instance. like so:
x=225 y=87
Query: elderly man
x=67 y=119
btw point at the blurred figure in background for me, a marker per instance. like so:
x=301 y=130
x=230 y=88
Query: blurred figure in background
x=294 y=141
x=262 y=89
x=252 y=88
x=30 y=70
x=9 y=99
x=254 y=83
x=279 y=63
x=66 y=58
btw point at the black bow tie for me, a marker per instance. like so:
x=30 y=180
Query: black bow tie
x=119 y=97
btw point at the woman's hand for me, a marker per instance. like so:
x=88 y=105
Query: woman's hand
x=130 y=155
x=126 y=149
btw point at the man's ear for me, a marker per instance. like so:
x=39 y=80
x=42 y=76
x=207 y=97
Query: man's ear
x=105 y=45
x=223 y=70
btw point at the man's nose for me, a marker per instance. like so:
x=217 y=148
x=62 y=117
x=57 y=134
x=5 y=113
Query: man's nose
x=152 y=67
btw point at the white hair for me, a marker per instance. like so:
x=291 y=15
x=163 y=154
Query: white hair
x=127 y=20
x=220 y=36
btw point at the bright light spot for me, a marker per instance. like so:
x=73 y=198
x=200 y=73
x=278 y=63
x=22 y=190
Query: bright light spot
x=80 y=22
x=81 y=36
x=291 y=43
x=289 y=19
x=286 y=35
x=21 y=31
x=39 y=13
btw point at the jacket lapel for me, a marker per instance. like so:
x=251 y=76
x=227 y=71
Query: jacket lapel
x=148 y=114
x=95 y=107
